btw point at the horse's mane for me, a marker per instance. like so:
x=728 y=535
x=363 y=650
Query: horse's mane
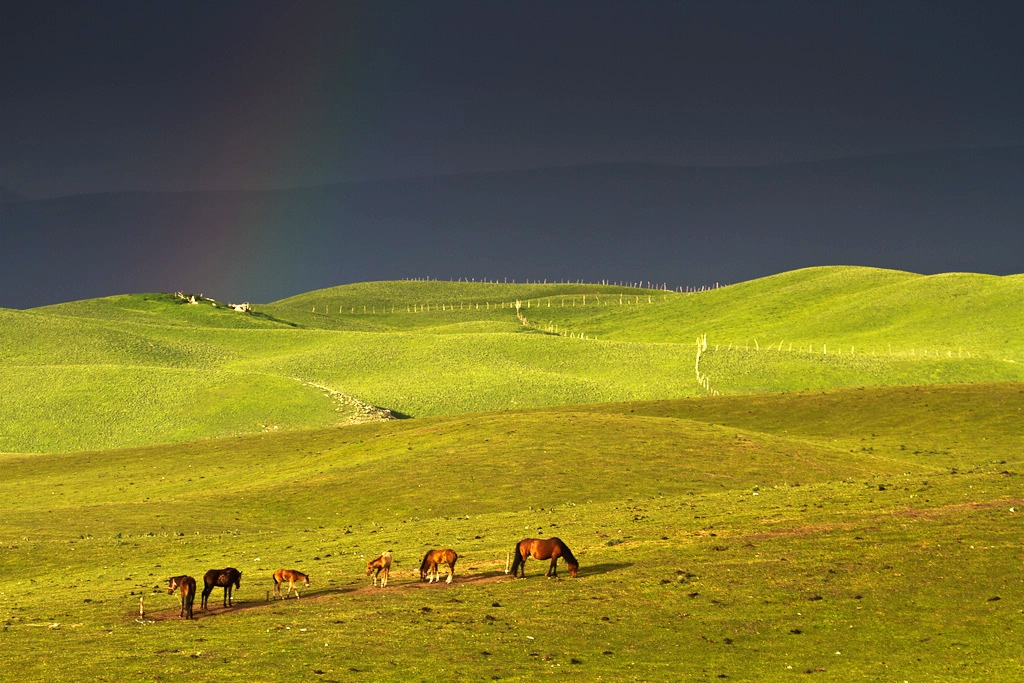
x=566 y=553
x=423 y=564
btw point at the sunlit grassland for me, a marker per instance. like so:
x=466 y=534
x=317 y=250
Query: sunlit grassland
x=139 y=369
x=437 y=374
x=774 y=370
x=160 y=309
x=854 y=534
x=871 y=310
x=69 y=407
x=877 y=310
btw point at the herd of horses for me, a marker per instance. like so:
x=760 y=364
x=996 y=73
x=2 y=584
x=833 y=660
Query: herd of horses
x=379 y=568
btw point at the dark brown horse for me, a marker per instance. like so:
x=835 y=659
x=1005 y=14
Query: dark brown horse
x=224 y=578
x=291 y=576
x=428 y=568
x=543 y=549
x=187 y=586
x=380 y=566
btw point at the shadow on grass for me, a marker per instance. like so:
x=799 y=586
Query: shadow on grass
x=605 y=568
x=585 y=570
x=246 y=605
x=476 y=577
x=311 y=594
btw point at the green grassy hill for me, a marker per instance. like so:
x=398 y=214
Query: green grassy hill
x=140 y=369
x=872 y=308
x=860 y=534
x=844 y=507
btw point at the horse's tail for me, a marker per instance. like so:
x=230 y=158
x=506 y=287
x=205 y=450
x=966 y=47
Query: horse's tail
x=455 y=557
x=517 y=559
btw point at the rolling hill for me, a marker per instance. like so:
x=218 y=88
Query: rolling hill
x=142 y=369
x=849 y=534
x=844 y=508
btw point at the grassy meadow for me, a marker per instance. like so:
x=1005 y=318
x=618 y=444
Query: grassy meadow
x=155 y=370
x=845 y=506
x=861 y=534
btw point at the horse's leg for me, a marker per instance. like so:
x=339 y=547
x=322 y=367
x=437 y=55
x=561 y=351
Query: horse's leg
x=451 y=573
x=551 y=567
x=384 y=581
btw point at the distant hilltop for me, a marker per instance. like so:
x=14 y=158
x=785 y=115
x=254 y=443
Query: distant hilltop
x=927 y=212
x=7 y=195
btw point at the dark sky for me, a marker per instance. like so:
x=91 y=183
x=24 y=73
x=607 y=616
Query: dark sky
x=128 y=97
x=176 y=95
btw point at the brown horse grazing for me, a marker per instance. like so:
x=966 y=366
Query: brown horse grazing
x=291 y=576
x=543 y=549
x=380 y=566
x=187 y=586
x=428 y=568
x=221 y=577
